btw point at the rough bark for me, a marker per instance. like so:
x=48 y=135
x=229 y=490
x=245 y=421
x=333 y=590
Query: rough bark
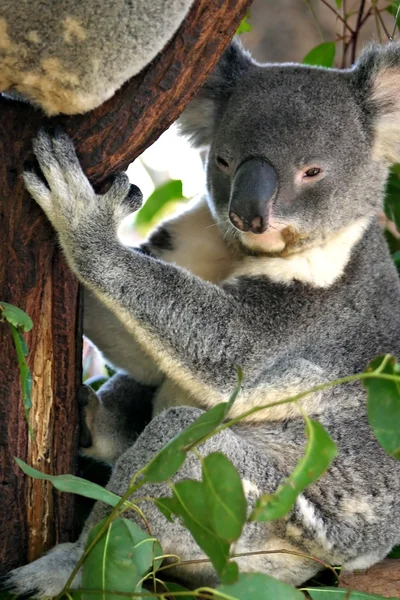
x=383 y=579
x=33 y=275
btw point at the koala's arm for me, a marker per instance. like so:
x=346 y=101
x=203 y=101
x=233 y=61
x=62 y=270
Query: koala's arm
x=196 y=331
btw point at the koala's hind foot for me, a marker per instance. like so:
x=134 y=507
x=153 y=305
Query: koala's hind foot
x=112 y=419
x=49 y=574
x=46 y=576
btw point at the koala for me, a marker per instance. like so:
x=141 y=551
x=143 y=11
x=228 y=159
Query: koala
x=69 y=57
x=280 y=268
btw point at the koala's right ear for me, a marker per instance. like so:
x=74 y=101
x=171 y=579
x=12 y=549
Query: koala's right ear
x=376 y=78
x=198 y=121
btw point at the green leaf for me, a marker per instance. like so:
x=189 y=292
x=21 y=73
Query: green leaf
x=338 y=594
x=320 y=452
x=15 y=316
x=225 y=497
x=395 y=552
x=19 y=321
x=260 y=587
x=244 y=25
x=383 y=406
x=339 y=4
x=24 y=372
x=165 y=193
x=392 y=198
x=72 y=484
x=191 y=506
x=166 y=506
x=175 y=587
x=172 y=456
x=119 y=560
x=394 y=10
x=96 y=381
x=322 y=55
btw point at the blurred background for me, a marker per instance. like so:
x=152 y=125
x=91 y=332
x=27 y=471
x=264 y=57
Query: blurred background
x=320 y=31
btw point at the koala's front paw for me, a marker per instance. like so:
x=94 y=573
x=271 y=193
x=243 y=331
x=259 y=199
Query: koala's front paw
x=69 y=200
x=46 y=576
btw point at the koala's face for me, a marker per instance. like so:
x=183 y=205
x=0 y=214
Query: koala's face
x=294 y=155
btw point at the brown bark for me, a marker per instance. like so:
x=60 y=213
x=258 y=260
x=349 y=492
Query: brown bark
x=383 y=579
x=33 y=275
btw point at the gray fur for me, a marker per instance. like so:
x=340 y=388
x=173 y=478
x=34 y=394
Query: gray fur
x=71 y=56
x=194 y=325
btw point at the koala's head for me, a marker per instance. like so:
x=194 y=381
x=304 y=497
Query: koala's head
x=296 y=152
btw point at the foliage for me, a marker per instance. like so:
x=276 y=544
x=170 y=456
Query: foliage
x=120 y=557
x=19 y=323
x=336 y=594
x=170 y=191
x=244 y=26
x=392 y=202
x=119 y=560
x=394 y=10
x=214 y=509
x=320 y=452
x=322 y=55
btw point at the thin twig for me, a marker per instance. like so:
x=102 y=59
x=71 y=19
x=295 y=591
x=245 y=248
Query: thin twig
x=395 y=23
x=378 y=26
x=338 y=15
x=356 y=31
x=382 y=22
x=316 y=21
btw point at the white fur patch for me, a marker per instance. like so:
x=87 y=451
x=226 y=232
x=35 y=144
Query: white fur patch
x=250 y=488
x=386 y=95
x=319 y=266
x=311 y=520
x=362 y=562
x=199 y=245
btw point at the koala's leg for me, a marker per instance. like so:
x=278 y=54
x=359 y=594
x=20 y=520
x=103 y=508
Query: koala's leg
x=112 y=419
x=47 y=575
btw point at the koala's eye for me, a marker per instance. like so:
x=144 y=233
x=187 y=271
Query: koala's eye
x=222 y=163
x=313 y=172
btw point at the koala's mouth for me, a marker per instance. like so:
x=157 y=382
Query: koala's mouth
x=278 y=240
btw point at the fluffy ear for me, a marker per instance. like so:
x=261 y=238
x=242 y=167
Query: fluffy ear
x=377 y=81
x=198 y=121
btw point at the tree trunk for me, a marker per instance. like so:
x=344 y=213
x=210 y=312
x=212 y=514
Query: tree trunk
x=34 y=277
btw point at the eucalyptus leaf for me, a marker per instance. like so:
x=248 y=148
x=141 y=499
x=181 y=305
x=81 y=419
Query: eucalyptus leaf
x=244 y=25
x=225 y=496
x=393 y=9
x=172 y=456
x=392 y=197
x=15 y=316
x=191 y=506
x=320 y=452
x=165 y=193
x=383 y=406
x=24 y=372
x=322 y=55
x=166 y=506
x=119 y=560
x=338 y=594
x=175 y=587
x=72 y=484
x=339 y=4
x=260 y=587
x=394 y=553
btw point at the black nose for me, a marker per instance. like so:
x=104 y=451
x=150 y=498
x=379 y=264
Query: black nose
x=254 y=187
x=256 y=226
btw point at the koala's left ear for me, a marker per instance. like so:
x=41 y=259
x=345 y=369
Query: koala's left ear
x=377 y=85
x=198 y=122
